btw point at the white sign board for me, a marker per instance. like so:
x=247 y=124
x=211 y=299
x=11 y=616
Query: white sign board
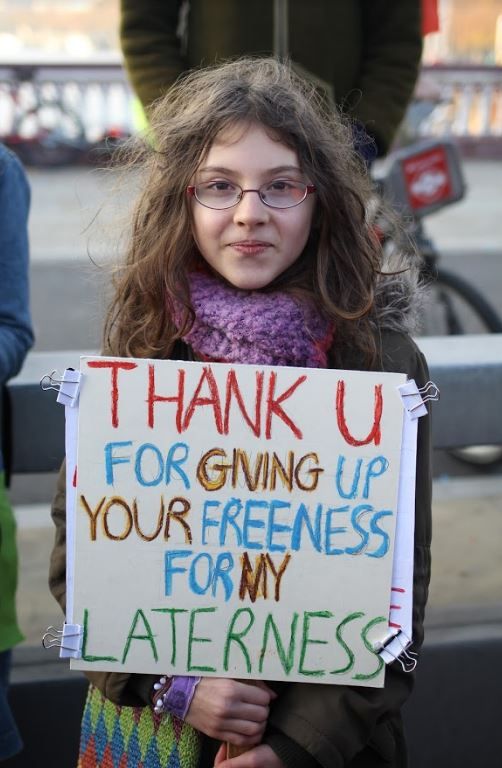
x=235 y=520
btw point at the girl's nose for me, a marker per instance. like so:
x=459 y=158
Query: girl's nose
x=250 y=210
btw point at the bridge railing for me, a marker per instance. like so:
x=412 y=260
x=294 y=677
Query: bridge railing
x=466 y=105
x=467 y=99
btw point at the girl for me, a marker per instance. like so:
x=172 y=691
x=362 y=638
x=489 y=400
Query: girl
x=250 y=243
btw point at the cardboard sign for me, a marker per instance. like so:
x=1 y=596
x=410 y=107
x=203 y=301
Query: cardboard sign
x=235 y=520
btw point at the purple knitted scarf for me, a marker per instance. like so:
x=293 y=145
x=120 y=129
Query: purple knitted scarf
x=235 y=326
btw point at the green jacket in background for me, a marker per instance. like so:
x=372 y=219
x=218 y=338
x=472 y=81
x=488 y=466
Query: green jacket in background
x=367 y=51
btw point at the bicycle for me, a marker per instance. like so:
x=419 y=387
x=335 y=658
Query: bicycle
x=420 y=180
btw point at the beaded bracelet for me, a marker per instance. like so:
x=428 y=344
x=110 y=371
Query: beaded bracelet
x=159 y=691
x=174 y=695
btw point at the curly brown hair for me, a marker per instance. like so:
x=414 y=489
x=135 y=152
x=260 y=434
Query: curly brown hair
x=339 y=265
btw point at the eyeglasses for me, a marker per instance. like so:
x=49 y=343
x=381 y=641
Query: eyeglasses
x=279 y=193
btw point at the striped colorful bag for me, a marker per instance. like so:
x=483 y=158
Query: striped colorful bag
x=134 y=737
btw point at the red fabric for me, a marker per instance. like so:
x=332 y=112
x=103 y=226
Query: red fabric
x=430 y=17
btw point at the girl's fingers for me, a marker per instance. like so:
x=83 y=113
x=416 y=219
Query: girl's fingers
x=262 y=684
x=230 y=710
x=250 y=712
x=242 y=732
x=256 y=693
x=221 y=755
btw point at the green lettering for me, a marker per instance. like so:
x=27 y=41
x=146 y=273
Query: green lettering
x=285 y=659
x=172 y=612
x=237 y=637
x=364 y=636
x=344 y=645
x=85 y=634
x=192 y=639
x=149 y=636
x=306 y=640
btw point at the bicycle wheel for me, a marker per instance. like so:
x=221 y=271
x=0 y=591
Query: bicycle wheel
x=453 y=306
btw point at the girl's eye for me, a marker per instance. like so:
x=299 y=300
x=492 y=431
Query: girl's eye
x=280 y=185
x=219 y=186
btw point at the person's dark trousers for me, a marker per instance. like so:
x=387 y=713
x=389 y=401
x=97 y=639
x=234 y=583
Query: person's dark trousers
x=10 y=740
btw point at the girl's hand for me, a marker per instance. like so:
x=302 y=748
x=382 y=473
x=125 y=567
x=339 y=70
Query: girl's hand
x=262 y=756
x=229 y=710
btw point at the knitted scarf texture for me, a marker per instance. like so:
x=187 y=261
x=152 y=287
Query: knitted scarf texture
x=235 y=326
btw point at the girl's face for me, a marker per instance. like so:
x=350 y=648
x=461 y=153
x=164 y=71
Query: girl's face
x=251 y=243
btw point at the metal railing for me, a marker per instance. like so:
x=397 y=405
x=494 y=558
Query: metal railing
x=467 y=106
x=98 y=94
x=468 y=98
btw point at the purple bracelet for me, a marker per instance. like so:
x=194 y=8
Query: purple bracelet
x=177 y=699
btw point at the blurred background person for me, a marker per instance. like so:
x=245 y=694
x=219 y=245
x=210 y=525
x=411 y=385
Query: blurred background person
x=16 y=337
x=365 y=54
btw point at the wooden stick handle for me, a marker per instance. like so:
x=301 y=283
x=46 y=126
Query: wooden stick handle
x=234 y=751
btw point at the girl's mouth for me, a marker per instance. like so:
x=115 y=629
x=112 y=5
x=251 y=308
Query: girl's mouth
x=250 y=246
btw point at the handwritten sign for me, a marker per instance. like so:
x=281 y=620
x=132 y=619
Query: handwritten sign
x=235 y=520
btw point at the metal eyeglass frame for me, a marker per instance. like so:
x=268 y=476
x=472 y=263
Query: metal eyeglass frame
x=192 y=191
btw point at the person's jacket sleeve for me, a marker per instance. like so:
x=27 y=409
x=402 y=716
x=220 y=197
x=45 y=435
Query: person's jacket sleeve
x=331 y=724
x=151 y=46
x=16 y=336
x=390 y=61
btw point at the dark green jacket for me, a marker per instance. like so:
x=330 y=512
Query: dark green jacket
x=313 y=725
x=367 y=51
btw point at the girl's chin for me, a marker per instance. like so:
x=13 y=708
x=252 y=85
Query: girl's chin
x=247 y=283
x=245 y=280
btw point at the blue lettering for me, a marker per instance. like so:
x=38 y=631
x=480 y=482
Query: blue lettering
x=174 y=465
x=208 y=522
x=170 y=569
x=376 y=467
x=224 y=564
x=228 y=517
x=303 y=517
x=276 y=528
x=332 y=531
x=195 y=586
x=137 y=466
x=205 y=574
x=355 y=478
x=253 y=522
x=357 y=513
x=384 y=546
x=111 y=460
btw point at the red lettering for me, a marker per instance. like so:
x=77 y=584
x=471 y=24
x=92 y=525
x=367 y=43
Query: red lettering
x=374 y=433
x=213 y=400
x=153 y=397
x=273 y=406
x=115 y=365
x=232 y=388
